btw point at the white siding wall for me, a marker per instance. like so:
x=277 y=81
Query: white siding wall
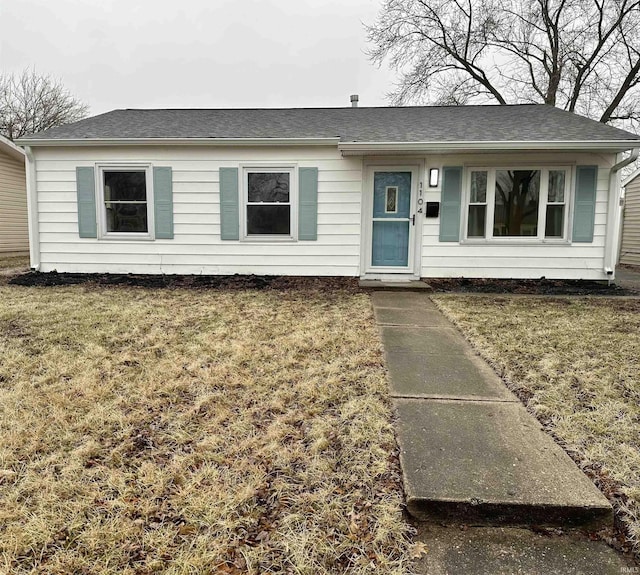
x=197 y=247
x=14 y=236
x=630 y=248
x=518 y=259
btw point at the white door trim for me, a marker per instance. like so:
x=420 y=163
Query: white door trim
x=415 y=235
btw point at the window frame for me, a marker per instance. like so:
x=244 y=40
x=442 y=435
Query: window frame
x=542 y=204
x=292 y=170
x=100 y=169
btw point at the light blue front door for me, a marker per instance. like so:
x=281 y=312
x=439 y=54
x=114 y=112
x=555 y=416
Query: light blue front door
x=391 y=219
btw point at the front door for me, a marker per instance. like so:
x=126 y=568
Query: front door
x=391 y=223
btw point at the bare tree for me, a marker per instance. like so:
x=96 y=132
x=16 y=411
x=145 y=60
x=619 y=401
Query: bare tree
x=30 y=103
x=579 y=55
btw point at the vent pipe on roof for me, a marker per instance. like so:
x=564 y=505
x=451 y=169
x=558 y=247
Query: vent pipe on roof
x=354 y=100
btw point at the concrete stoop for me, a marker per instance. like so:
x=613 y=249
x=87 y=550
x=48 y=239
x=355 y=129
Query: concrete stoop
x=469 y=450
x=395 y=285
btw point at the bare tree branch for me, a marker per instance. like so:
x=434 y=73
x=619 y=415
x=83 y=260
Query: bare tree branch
x=30 y=103
x=580 y=55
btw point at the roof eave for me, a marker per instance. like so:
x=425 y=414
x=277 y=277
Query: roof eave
x=67 y=142
x=363 y=148
x=11 y=149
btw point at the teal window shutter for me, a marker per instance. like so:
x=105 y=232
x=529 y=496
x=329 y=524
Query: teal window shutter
x=86 y=187
x=229 y=204
x=163 y=202
x=308 y=204
x=584 y=209
x=450 y=204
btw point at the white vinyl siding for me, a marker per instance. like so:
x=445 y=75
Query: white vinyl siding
x=630 y=247
x=517 y=258
x=197 y=247
x=14 y=235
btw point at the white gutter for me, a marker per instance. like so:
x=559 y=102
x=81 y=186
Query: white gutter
x=179 y=142
x=32 y=210
x=613 y=213
x=357 y=148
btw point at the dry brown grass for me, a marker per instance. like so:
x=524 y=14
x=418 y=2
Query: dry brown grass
x=13 y=262
x=194 y=431
x=576 y=362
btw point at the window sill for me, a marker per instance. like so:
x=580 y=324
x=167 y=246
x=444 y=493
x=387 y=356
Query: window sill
x=516 y=242
x=269 y=240
x=127 y=237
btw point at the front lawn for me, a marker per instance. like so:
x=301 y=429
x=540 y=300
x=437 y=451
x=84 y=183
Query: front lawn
x=195 y=431
x=576 y=364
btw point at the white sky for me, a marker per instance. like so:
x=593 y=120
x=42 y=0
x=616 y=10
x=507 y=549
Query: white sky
x=197 y=53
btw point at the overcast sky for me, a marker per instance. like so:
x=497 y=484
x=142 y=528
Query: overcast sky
x=197 y=53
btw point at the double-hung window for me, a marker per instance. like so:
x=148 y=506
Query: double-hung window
x=269 y=200
x=125 y=207
x=525 y=203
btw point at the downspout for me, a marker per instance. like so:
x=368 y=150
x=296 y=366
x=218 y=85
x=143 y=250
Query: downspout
x=32 y=210
x=613 y=213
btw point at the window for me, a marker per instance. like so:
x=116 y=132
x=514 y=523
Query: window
x=477 y=205
x=555 y=204
x=526 y=203
x=391 y=200
x=517 y=199
x=268 y=203
x=126 y=201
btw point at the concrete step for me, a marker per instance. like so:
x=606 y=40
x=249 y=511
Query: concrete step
x=395 y=285
x=490 y=463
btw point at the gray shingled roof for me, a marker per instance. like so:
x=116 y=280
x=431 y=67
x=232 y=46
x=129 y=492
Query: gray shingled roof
x=519 y=123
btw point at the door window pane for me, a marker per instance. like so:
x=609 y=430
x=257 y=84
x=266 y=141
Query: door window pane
x=517 y=196
x=391 y=203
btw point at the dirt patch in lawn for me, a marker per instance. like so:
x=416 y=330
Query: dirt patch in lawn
x=195 y=431
x=575 y=363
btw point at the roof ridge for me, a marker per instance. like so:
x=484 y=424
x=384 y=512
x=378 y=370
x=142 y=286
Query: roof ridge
x=325 y=108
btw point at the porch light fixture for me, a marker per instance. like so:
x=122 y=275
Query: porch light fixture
x=434 y=177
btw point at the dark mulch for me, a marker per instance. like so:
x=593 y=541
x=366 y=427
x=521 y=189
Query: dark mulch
x=535 y=287
x=238 y=282
x=235 y=282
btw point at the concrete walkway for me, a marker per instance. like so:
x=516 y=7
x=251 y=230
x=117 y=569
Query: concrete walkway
x=470 y=451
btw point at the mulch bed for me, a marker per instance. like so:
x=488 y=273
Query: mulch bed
x=235 y=282
x=534 y=287
x=239 y=282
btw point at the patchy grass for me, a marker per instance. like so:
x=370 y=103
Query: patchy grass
x=195 y=431
x=576 y=363
x=13 y=262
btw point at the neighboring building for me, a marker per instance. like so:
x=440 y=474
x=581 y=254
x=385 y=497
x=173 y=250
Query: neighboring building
x=630 y=242
x=14 y=235
x=524 y=191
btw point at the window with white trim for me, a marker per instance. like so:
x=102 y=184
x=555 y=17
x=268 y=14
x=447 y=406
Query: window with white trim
x=523 y=203
x=125 y=201
x=268 y=203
